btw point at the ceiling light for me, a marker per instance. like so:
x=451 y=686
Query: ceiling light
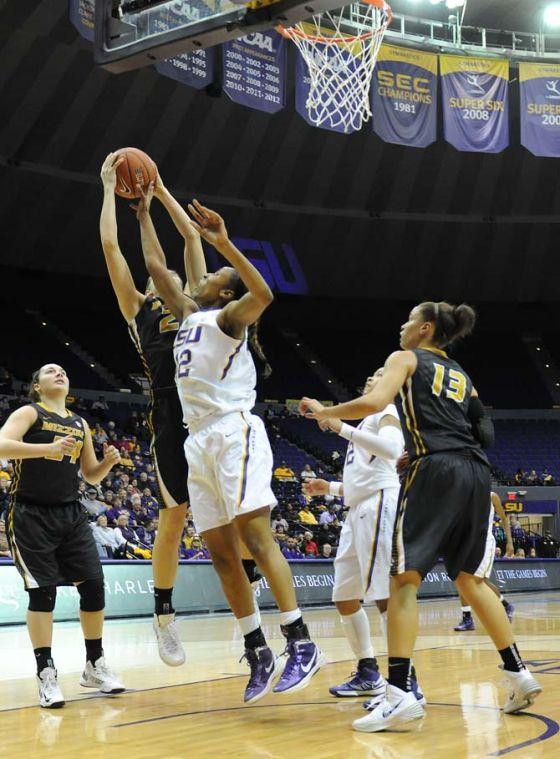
x=551 y=15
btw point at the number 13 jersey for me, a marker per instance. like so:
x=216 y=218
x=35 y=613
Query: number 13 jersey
x=433 y=407
x=215 y=373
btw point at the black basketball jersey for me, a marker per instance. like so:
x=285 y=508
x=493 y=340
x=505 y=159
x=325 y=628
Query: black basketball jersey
x=48 y=482
x=153 y=332
x=433 y=406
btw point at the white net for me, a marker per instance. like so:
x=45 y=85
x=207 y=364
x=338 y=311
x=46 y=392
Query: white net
x=340 y=49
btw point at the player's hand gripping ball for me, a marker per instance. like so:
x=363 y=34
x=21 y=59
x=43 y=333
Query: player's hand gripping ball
x=136 y=169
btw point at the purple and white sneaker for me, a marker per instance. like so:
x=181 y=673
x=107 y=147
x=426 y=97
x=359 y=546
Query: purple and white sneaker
x=304 y=660
x=510 y=608
x=467 y=625
x=265 y=668
x=367 y=681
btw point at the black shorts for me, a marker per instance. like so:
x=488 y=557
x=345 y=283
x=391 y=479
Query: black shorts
x=52 y=545
x=444 y=511
x=168 y=448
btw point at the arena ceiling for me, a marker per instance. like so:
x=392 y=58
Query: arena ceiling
x=363 y=217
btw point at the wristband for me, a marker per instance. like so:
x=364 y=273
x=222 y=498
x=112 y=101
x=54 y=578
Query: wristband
x=335 y=488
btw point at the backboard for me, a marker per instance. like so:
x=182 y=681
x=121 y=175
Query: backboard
x=130 y=34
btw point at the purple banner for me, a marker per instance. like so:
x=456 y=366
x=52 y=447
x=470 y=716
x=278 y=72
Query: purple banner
x=255 y=71
x=540 y=108
x=193 y=69
x=82 y=13
x=331 y=114
x=475 y=103
x=404 y=97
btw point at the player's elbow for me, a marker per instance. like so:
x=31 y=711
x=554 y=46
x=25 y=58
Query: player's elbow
x=267 y=296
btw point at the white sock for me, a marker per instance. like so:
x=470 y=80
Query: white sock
x=356 y=629
x=502 y=599
x=465 y=608
x=383 y=620
x=287 y=617
x=248 y=624
x=257 y=610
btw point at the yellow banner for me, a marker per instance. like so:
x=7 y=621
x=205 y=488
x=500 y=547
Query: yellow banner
x=426 y=61
x=529 y=71
x=451 y=64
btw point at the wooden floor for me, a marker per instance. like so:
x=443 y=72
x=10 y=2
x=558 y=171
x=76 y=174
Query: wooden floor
x=197 y=710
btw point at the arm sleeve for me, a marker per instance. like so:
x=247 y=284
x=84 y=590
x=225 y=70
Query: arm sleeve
x=388 y=444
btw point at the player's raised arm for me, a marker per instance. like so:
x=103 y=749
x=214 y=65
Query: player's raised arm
x=398 y=368
x=238 y=313
x=387 y=444
x=155 y=260
x=129 y=298
x=499 y=509
x=195 y=263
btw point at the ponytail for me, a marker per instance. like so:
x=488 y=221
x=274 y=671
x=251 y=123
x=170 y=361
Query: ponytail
x=451 y=323
x=253 y=341
x=32 y=394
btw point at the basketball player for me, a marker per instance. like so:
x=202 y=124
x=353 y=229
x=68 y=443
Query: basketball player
x=153 y=329
x=467 y=623
x=370 y=488
x=48 y=530
x=444 y=506
x=228 y=452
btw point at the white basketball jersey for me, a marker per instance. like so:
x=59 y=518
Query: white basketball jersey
x=215 y=373
x=363 y=473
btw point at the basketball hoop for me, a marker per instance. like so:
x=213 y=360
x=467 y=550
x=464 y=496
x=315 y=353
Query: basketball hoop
x=340 y=49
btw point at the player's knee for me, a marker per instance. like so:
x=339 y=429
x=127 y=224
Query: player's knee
x=92 y=595
x=42 y=599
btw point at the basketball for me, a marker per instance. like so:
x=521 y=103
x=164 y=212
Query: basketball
x=138 y=168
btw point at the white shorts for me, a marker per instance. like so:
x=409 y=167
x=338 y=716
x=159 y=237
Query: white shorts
x=485 y=567
x=363 y=560
x=230 y=468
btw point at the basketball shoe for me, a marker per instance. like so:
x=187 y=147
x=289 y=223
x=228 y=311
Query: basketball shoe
x=304 y=659
x=99 y=676
x=366 y=681
x=467 y=625
x=522 y=690
x=265 y=668
x=50 y=695
x=397 y=708
x=169 y=644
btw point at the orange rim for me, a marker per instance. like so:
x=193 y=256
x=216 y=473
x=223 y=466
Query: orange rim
x=292 y=31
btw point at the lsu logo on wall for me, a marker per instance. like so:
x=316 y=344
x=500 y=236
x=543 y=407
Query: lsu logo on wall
x=513 y=507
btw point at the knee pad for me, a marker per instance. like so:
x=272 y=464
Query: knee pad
x=42 y=599
x=251 y=570
x=92 y=595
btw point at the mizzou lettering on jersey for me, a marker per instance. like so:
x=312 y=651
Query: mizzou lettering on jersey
x=153 y=333
x=50 y=480
x=433 y=407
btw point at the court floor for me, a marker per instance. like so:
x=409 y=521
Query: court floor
x=197 y=710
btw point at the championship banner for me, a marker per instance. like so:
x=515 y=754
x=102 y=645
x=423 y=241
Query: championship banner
x=193 y=69
x=540 y=108
x=475 y=103
x=255 y=71
x=404 y=96
x=303 y=82
x=82 y=13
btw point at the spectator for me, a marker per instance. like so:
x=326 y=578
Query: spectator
x=147 y=533
x=279 y=521
x=125 y=458
x=533 y=478
x=197 y=551
x=280 y=535
x=138 y=513
x=124 y=530
x=533 y=553
x=4 y=548
x=520 y=553
x=307 y=473
x=284 y=473
x=520 y=477
x=498 y=553
x=100 y=406
x=327 y=551
x=149 y=502
x=328 y=516
x=92 y=504
x=291 y=549
x=189 y=537
x=116 y=509
x=310 y=549
x=99 y=436
x=108 y=540
x=326 y=534
x=306 y=516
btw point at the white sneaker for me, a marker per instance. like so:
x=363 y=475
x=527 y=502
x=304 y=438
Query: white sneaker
x=397 y=708
x=522 y=690
x=101 y=677
x=50 y=695
x=169 y=644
